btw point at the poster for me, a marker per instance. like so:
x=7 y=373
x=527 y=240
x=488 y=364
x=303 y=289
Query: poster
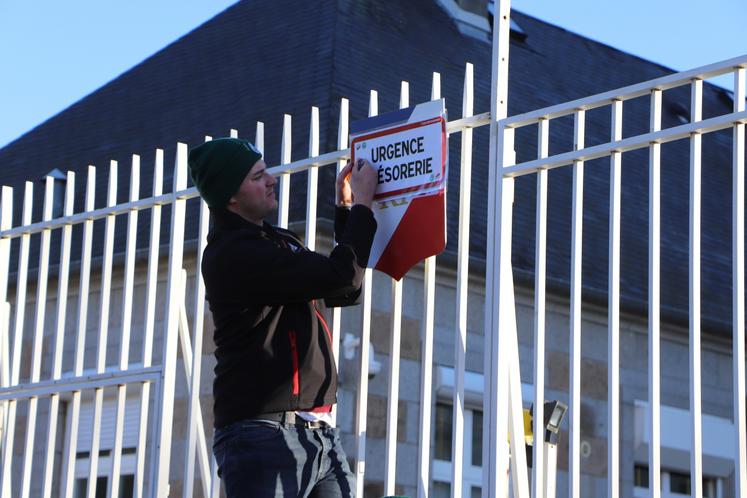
x=409 y=150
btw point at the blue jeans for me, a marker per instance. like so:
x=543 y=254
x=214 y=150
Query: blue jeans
x=265 y=459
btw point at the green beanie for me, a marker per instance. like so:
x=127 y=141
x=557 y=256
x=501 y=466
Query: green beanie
x=219 y=166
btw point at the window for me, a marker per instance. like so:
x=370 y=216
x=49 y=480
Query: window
x=442 y=453
x=674 y=484
x=106 y=445
x=126 y=486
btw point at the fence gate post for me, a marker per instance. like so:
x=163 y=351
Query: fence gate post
x=499 y=314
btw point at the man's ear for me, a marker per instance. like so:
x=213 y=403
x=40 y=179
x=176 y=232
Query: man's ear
x=231 y=205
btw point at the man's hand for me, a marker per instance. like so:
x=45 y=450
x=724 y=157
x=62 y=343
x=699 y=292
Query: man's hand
x=363 y=182
x=343 y=191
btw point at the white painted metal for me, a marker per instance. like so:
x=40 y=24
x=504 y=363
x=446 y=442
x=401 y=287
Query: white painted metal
x=21 y=282
x=285 y=158
x=40 y=313
x=79 y=383
x=342 y=143
x=96 y=214
x=84 y=285
x=654 y=300
x=426 y=376
x=577 y=222
x=613 y=311
x=474 y=121
x=59 y=341
x=149 y=323
x=500 y=197
x=361 y=408
x=543 y=141
x=124 y=343
x=160 y=481
x=392 y=413
x=696 y=458
x=550 y=470
x=627 y=92
x=462 y=285
x=313 y=181
x=5 y=358
x=390 y=456
x=259 y=137
x=600 y=100
x=193 y=389
x=6 y=220
x=194 y=394
x=426 y=355
x=519 y=474
x=106 y=281
x=738 y=291
x=632 y=143
x=404 y=95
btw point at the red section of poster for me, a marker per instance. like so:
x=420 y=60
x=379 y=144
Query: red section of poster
x=421 y=233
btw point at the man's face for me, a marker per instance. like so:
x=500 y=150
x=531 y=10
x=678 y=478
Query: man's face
x=255 y=198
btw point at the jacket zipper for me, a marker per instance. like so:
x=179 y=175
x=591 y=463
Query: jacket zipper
x=294 y=358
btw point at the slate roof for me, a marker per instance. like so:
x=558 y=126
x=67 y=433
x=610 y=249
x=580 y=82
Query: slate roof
x=258 y=60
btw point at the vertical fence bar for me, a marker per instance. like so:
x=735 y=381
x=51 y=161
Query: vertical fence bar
x=41 y=307
x=462 y=286
x=150 y=314
x=738 y=313
x=106 y=282
x=654 y=302
x=194 y=395
x=259 y=137
x=188 y=353
x=21 y=283
x=500 y=198
x=124 y=343
x=342 y=143
x=499 y=322
x=426 y=354
x=160 y=482
x=613 y=344
x=574 y=443
x=361 y=409
x=539 y=312
x=519 y=475
x=59 y=342
x=696 y=459
x=4 y=358
x=6 y=220
x=313 y=181
x=285 y=157
x=80 y=341
x=390 y=457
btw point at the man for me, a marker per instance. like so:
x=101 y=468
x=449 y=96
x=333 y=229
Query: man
x=275 y=378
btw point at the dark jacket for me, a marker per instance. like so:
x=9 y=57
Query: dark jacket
x=273 y=346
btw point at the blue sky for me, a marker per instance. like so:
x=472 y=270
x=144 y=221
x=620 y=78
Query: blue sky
x=54 y=53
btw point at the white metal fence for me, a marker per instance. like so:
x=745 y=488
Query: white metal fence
x=504 y=352
x=78 y=376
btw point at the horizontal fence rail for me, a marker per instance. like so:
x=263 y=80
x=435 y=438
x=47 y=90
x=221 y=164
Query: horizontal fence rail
x=118 y=392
